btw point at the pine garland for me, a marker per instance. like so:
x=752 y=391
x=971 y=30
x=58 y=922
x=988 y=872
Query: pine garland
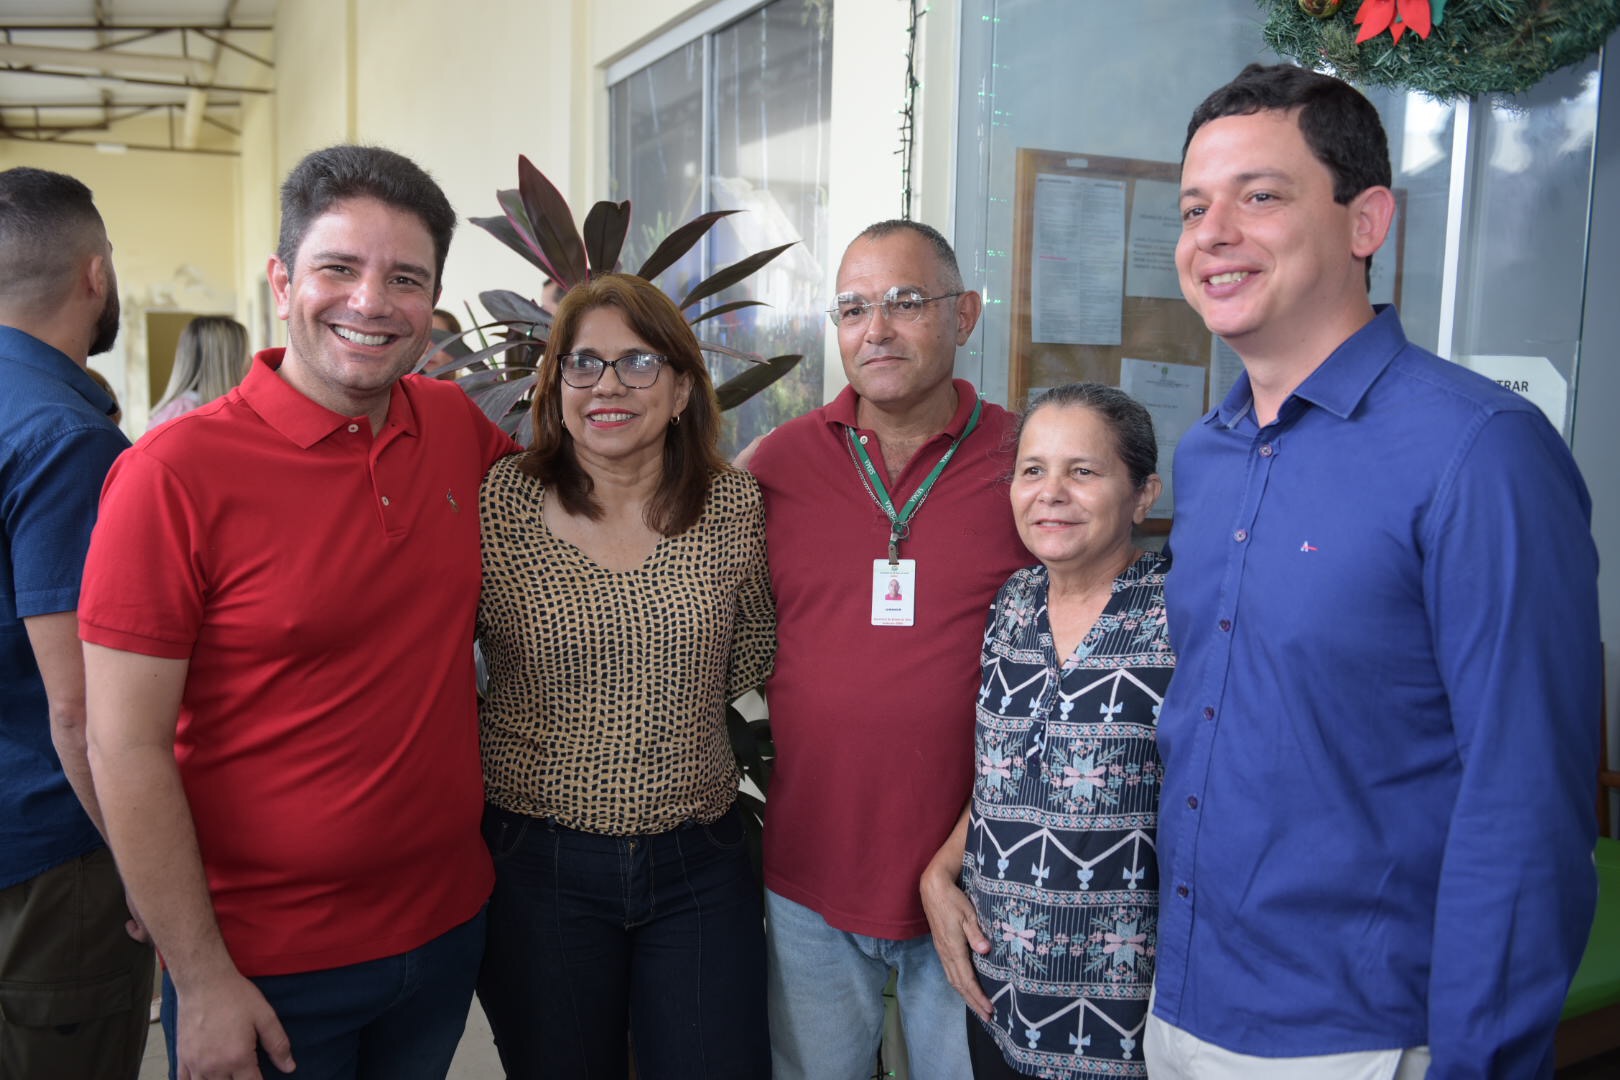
x=1480 y=47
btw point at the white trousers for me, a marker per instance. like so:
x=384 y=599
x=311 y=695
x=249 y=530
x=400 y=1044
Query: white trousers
x=1172 y=1054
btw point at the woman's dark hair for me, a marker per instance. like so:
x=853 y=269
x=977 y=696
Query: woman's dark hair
x=1339 y=124
x=691 y=452
x=1130 y=422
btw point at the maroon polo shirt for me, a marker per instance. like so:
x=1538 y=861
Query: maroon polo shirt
x=874 y=724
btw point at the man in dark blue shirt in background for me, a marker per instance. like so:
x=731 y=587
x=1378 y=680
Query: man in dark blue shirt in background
x=74 y=985
x=1380 y=744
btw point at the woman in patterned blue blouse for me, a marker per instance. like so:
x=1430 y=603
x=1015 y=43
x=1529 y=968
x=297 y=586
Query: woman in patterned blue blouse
x=1055 y=848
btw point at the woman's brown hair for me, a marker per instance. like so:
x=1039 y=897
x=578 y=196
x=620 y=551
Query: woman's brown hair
x=691 y=449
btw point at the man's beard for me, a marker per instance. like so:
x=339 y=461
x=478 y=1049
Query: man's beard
x=106 y=325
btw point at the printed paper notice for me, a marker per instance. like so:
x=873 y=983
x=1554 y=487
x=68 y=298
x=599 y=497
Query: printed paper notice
x=1077 y=281
x=1533 y=377
x=1150 y=269
x=1174 y=395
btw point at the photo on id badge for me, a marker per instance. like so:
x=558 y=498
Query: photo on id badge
x=894 y=592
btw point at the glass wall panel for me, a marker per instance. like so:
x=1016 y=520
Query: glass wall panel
x=738 y=120
x=656 y=116
x=1087 y=82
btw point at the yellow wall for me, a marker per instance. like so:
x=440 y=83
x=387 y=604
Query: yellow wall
x=464 y=96
x=172 y=219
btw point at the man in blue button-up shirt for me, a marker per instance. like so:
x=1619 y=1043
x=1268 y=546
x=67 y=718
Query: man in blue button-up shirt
x=1376 y=834
x=74 y=986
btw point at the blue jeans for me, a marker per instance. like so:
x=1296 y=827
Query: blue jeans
x=398 y=1018
x=593 y=936
x=826 y=1000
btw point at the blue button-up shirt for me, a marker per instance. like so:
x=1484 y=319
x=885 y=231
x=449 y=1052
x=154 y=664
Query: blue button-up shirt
x=56 y=445
x=1381 y=741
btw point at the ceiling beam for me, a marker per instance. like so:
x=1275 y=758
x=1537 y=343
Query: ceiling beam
x=127 y=146
x=109 y=62
x=167 y=85
x=91 y=28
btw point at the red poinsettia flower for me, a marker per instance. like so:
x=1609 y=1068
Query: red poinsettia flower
x=1396 y=16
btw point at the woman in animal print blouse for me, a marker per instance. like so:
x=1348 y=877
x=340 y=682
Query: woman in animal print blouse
x=625 y=602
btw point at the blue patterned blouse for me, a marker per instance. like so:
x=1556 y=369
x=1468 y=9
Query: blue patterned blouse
x=1060 y=857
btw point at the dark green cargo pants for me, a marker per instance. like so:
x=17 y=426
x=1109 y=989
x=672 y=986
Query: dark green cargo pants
x=74 y=987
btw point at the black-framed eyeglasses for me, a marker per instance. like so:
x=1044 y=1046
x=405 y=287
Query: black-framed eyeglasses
x=905 y=305
x=637 y=370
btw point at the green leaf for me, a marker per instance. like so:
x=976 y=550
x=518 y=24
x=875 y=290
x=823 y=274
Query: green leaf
x=553 y=224
x=502 y=229
x=735 y=391
x=605 y=229
x=731 y=275
x=724 y=309
x=678 y=243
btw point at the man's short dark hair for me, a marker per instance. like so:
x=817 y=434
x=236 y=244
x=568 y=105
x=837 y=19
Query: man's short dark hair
x=952 y=273
x=343 y=172
x=48 y=224
x=1339 y=124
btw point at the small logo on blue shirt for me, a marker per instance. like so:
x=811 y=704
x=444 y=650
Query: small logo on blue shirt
x=1307 y=546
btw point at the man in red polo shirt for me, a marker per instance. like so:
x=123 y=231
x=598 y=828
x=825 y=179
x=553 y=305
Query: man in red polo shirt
x=889 y=526
x=278 y=615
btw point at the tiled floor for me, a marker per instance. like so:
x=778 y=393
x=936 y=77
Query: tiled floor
x=475 y=1058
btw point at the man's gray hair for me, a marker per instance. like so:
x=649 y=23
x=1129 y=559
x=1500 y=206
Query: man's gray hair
x=950 y=272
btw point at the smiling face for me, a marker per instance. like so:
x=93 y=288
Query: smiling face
x=1267 y=258
x=612 y=424
x=358 y=305
x=1072 y=495
x=892 y=363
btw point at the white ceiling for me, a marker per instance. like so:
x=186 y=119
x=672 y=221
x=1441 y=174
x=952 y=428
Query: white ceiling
x=164 y=74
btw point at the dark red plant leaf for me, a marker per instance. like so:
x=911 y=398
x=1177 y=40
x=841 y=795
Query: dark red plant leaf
x=553 y=224
x=679 y=242
x=497 y=400
x=737 y=271
x=509 y=306
x=726 y=309
x=735 y=391
x=605 y=229
x=501 y=229
x=518 y=216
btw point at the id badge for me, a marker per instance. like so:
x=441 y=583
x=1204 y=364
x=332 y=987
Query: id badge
x=894 y=592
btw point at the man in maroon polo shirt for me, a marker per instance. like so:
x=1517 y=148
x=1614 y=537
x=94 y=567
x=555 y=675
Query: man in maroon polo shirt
x=889 y=532
x=278 y=616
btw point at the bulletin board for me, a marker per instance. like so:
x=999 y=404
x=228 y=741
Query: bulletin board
x=1149 y=327
x=1095 y=296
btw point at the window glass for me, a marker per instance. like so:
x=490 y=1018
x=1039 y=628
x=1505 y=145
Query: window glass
x=738 y=120
x=1085 y=81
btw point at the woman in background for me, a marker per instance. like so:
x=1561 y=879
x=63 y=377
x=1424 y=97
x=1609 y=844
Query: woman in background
x=1062 y=889
x=625 y=603
x=212 y=357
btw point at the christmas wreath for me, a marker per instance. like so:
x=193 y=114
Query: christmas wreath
x=1446 y=50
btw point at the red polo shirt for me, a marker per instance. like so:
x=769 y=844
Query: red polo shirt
x=322 y=583
x=874 y=724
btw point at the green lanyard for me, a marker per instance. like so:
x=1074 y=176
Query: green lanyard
x=900 y=523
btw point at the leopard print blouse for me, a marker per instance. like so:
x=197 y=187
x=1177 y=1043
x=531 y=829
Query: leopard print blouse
x=607 y=689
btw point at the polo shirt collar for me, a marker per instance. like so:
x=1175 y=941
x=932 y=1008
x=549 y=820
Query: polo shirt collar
x=1342 y=380
x=47 y=360
x=301 y=420
x=840 y=411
